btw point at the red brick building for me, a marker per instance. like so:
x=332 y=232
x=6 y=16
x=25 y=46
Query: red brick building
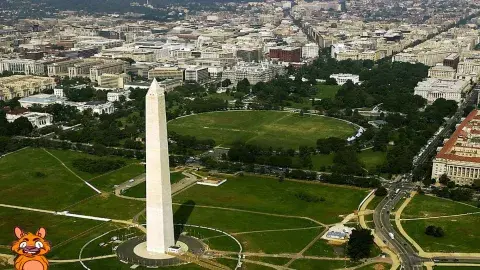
x=286 y=54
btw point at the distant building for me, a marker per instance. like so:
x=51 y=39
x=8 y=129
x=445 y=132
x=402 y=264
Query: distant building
x=286 y=54
x=197 y=73
x=310 y=50
x=117 y=95
x=38 y=120
x=167 y=73
x=342 y=78
x=23 y=86
x=253 y=72
x=441 y=72
x=43 y=100
x=113 y=80
x=459 y=158
x=450 y=89
x=452 y=60
x=116 y=67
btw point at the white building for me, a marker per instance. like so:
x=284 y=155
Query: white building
x=449 y=89
x=59 y=92
x=38 y=120
x=116 y=95
x=43 y=100
x=197 y=74
x=342 y=78
x=113 y=80
x=310 y=50
x=441 y=72
x=26 y=66
x=253 y=72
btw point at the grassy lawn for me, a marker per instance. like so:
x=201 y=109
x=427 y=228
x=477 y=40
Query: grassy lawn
x=107 y=205
x=271 y=260
x=372 y=159
x=139 y=191
x=327 y=91
x=107 y=181
x=305 y=264
x=32 y=178
x=266 y=128
x=114 y=263
x=428 y=206
x=461 y=234
x=268 y=195
x=60 y=229
x=322 y=248
x=369 y=158
x=376 y=266
x=321 y=161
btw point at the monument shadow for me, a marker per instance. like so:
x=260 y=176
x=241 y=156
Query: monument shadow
x=181 y=217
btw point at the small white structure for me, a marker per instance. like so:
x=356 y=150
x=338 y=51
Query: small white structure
x=116 y=95
x=174 y=250
x=38 y=120
x=58 y=92
x=338 y=232
x=342 y=78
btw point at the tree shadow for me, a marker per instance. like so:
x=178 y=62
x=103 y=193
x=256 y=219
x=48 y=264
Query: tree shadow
x=181 y=217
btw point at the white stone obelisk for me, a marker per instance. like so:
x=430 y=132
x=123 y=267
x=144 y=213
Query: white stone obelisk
x=160 y=234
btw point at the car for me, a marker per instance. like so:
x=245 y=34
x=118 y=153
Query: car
x=131 y=180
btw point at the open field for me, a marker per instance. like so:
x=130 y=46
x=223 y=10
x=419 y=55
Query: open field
x=139 y=191
x=428 y=206
x=461 y=234
x=305 y=264
x=372 y=159
x=327 y=91
x=324 y=249
x=375 y=266
x=268 y=195
x=107 y=181
x=369 y=158
x=266 y=128
x=32 y=178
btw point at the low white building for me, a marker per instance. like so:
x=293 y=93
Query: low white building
x=116 y=95
x=38 y=120
x=441 y=72
x=450 y=89
x=43 y=100
x=342 y=78
x=310 y=51
x=59 y=92
x=197 y=74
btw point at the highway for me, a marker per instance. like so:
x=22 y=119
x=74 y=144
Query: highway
x=383 y=226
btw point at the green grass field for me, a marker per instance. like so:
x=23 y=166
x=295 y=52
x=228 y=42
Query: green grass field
x=428 y=206
x=268 y=195
x=139 y=191
x=322 y=248
x=375 y=266
x=20 y=185
x=266 y=128
x=305 y=264
x=461 y=234
x=327 y=91
x=369 y=158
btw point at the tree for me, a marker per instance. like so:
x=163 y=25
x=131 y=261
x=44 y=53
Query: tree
x=427 y=181
x=444 y=179
x=439 y=232
x=360 y=244
x=331 y=81
x=381 y=192
x=21 y=126
x=430 y=230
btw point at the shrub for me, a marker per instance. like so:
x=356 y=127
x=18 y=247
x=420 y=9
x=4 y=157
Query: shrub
x=101 y=165
x=304 y=196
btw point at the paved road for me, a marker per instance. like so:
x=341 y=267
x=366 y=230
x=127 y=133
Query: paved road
x=383 y=226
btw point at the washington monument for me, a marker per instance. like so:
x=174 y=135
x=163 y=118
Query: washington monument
x=160 y=234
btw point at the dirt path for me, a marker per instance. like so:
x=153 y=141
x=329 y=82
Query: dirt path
x=300 y=254
x=437 y=217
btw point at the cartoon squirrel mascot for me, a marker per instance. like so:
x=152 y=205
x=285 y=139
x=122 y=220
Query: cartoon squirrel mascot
x=30 y=249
